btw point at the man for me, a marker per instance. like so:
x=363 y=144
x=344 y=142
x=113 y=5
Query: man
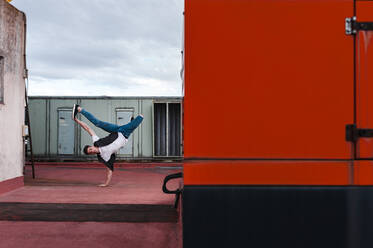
x=106 y=148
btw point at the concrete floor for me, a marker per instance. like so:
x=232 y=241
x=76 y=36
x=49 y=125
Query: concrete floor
x=78 y=184
x=87 y=234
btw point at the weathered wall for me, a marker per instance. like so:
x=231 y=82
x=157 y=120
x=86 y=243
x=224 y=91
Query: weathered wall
x=12 y=109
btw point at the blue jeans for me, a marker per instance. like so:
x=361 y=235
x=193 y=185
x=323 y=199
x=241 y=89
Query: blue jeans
x=126 y=130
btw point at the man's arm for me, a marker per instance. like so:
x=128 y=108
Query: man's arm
x=109 y=174
x=85 y=127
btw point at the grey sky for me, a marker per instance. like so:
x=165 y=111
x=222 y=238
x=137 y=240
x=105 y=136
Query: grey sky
x=104 y=47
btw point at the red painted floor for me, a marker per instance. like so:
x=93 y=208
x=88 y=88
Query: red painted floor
x=87 y=234
x=78 y=184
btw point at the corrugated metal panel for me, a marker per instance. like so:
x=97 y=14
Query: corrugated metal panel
x=44 y=118
x=37 y=110
x=174 y=129
x=160 y=129
x=124 y=117
x=66 y=133
x=167 y=129
x=146 y=128
x=54 y=105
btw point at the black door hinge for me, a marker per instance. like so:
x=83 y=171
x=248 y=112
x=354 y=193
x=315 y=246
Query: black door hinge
x=352 y=26
x=353 y=133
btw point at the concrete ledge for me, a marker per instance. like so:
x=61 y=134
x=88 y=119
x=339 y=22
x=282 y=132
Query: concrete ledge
x=77 y=212
x=11 y=184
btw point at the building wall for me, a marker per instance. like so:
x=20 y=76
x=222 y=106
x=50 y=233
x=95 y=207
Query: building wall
x=44 y=123
x=12 y=108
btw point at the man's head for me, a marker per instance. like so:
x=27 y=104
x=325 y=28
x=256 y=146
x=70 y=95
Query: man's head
x=90 y=150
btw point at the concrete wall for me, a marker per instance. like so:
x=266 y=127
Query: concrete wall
x=44 y=123
x=12 y=108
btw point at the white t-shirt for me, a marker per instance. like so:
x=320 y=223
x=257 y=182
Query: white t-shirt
x=106 y=151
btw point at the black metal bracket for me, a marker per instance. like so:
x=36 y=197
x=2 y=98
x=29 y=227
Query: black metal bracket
x=177 y=192
x=353 y=133
x=367 y=26
x=352 y=26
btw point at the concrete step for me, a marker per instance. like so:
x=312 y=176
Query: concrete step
x=77 y=212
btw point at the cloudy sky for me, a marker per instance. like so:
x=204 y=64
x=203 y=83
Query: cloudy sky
x=104 y=47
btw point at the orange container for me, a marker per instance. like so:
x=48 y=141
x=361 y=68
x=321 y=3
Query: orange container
x=276 y=80
x=278 y=111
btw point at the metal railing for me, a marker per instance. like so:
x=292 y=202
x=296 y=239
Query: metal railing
x=177 y=192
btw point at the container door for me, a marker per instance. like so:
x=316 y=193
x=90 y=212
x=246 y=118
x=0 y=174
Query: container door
x=160 y=129
x=124 y=117
x=268 y=79
x=174 y=129
x=364 y=78
x=167 y=129
x=66 y=133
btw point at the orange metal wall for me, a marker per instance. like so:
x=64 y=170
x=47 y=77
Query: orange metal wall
x=272 y=83
x=364 y=78
x=267 y=79
x=269 y=173
x=363 y=173
x=364 y=10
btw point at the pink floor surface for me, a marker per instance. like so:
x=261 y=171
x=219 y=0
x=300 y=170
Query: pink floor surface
x=78 y=184
x=88 y=234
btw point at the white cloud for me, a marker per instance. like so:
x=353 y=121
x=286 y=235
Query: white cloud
x=104 y=47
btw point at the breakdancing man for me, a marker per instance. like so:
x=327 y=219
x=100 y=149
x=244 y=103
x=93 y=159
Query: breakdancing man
x=106 y=147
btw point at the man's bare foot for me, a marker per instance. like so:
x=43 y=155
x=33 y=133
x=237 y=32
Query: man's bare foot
x=102 y=185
